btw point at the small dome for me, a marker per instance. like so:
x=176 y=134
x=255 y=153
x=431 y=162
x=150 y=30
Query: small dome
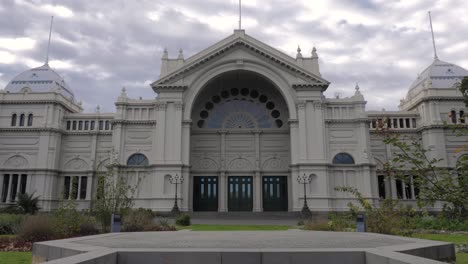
x=439 y=74
x=39 y=80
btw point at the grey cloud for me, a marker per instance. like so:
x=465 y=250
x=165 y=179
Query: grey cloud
x=128 y=46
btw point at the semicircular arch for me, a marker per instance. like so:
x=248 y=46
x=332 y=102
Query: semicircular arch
x=269 y=73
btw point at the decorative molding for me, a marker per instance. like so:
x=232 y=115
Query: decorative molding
x=239 y=43
x=179 y=105
x=301 y=104
x=170 y=88
x=16 y=162
x=318 y=105
x=160 y=106
x=76 y=164
x=240 y=164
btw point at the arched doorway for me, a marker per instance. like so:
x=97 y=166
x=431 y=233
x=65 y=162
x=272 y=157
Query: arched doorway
x=240 y=145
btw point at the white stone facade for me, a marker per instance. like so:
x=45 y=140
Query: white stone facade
x=239 y=121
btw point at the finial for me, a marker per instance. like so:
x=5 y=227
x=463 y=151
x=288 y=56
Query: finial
x=165 y=54
x=50 y=35
x=357 y=87
x=181 y=55
x=98 y=109
x=240 y=14
x=80 y=103
x=314 y=53
x=299 y=54
x=433 y=39
x=124 y=92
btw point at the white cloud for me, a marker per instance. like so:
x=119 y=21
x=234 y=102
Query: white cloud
x=58 y=10
x=6 y=57
x=16 y=44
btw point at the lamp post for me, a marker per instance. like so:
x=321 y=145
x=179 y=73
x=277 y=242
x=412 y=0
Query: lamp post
x=176 y=180
x=304 y=180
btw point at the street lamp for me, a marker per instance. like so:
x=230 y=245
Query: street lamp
x=304 y=180
x=176 y=180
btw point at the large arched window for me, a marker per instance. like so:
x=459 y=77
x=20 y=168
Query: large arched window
x=343 y=158
x=13 y=120
x=30 y=119
x=137 y=160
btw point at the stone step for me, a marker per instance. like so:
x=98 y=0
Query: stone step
x=245 y=215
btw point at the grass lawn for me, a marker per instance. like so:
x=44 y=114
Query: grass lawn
x=462 y=258
x=202 y=227
x=454 y=238
x=15 y=257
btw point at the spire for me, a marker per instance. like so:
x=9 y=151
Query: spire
x=181 y=55
x=240 y=15
x=299 y=54
x=165 y=54
x=433 y=39
x=314 y=53
x=48 y=44
x=357 y=87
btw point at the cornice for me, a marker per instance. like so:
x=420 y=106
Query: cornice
x=351 y=120
x=238 y=43
x=169 y=88
x=134 y=122
x=48 y=101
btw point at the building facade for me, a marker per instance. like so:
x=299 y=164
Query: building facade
x=240 y=121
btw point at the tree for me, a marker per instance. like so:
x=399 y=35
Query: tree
x=28 y=203
x=114 y=196
x=464 y=89
x=434 y=183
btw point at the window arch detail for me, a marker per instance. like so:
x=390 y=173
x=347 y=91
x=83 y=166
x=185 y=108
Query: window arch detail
x=343 y=159
x=137 y=160
x=21 y=120
x=13 y=119
x=30 y=119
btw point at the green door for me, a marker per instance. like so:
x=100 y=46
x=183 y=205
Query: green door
x=240 y=193
x=205 y=193
x=275 y=193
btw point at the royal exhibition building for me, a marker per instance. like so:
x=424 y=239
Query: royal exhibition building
x=239 y=124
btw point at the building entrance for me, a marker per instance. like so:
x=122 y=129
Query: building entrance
x=275 y=193
x=240 y=193
x=205 y=193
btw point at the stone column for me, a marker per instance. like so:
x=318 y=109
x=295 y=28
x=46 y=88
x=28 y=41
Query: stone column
x=302 y=130
x=160 y=132
x=294 y=138
x=186 y=126
x=257 y=188
x=179 y=106
x=222 y=195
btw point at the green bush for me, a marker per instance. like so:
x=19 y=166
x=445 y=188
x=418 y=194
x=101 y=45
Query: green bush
x=36 y=228
x=341 y=222
x=183 y=220
x=88 y=228
x=67 y=219
x=143 y=220
x=10 y=223
x=440 y=223
x=316 y=225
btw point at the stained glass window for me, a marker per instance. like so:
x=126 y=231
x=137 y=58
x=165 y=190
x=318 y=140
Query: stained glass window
x=343 y=158
x=137 y=160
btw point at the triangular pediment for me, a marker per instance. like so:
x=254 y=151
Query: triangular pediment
x=240 y=40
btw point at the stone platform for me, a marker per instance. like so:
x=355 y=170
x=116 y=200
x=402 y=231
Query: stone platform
x=246 y=247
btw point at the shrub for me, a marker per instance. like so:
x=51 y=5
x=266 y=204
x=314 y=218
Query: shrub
x=183 y=220
x=36 y=228
x=143 y=220
x=88 y=228
x=341 y=222
x=67 y=219
x=137 y=220
x=10 y=223
x=316 y=226
x=28 y=203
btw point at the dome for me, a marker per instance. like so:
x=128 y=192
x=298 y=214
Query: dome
x=39 y=80
x=439 y=74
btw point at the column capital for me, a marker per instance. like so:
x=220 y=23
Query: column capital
x=160 y=106
x=301 y=104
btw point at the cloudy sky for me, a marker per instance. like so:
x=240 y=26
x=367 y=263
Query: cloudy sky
x=100 y=46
